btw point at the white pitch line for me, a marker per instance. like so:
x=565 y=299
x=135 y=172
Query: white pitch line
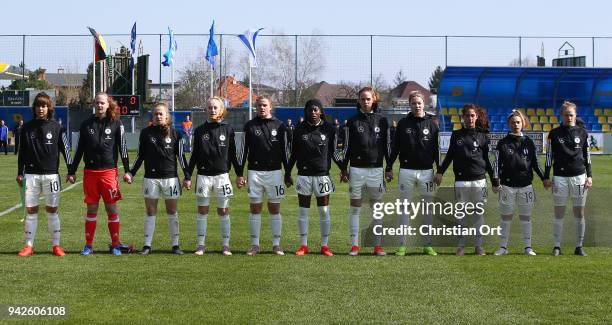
x=17 y=206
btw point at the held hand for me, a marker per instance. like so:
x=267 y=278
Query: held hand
x=240 y=181
x=127 y=177
x=547 y=183
x=497 y=189
x=288 y=180
x=71 y=179
x=437 y=179
x=344 y=176
x=389 y=176
x=588 y=183
x=187 y=184
x=19 y=179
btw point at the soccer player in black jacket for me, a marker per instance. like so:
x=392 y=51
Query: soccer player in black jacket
x=160 y=145
x=568 y=155
x=101 y=143
x=469 y=152
x=313 y=148
x=214 y=148
x=41 y=143
x=265 y=148
x=366 y=142
x=516 y=160
x=416 y=143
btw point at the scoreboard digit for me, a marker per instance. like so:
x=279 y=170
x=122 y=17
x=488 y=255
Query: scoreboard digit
x=129 y=105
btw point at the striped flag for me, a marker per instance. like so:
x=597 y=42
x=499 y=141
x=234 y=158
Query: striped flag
x=100 y=44
x=248 y=39
x=212 y=50
x=169 y=55
x=133 y=45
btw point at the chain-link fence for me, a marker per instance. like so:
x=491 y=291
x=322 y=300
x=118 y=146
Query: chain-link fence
x=291 y=64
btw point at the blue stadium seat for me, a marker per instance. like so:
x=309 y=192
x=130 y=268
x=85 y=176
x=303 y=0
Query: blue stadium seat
x=506 y=128
x=596 y=127
x=592 y=120
x=497 y=127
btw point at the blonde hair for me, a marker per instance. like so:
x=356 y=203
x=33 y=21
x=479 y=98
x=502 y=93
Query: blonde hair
x=567 y=105
x=414 y=94
x=262 y=97
x=221 y=102
x=524 y=119
x=166 y=127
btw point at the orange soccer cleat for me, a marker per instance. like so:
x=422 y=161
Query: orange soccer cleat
x=26 y=251
x=58 y=250
x=325 y=251
x=303 y=250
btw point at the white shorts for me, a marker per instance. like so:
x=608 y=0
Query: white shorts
x=408 y=179
x=471 y=191
x=564 y=187
x=372 y=178
x=262 y=182
x=167 y=188
x=50 y=186
x=524 y=197
x=319 y=185
x=219 y=186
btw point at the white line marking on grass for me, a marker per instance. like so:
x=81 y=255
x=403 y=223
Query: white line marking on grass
x=18 y=205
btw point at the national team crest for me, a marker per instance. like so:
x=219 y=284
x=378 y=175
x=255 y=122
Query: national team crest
x=323 y=137
x=222 y=137
x=577 y=140
x=107 y=131
x=168 y=140
x=49 y=135
x=377 y=129
x=273 y=132
x=475 y=143
x=426 y=131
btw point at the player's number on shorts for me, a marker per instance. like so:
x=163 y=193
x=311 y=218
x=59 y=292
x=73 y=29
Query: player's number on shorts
x=484 y=192
x=280 y=190
x=54 y=186
x=429 y=186
x=581 y=189
x=323 y=188
x=227 y=189
x=173 y=190
x=528 y=197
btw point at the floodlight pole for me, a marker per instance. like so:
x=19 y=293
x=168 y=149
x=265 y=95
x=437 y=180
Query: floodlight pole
x=250 y=92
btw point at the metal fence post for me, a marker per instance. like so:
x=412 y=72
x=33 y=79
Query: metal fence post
x=296 y=71
x=371 y=60
x=160 y=66
x=520 y=61
x=23 y=84
x=593 y=49
x=445 y=51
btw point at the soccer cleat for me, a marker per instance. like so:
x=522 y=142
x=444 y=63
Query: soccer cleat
x=502 y=251
x=87 y=250
x=177 y=250
x=58 y=250
x=146 y=250
x=354 y=251
x=428 y=250
x=253 y=250
x=26 y=251
x=276 y=249
x=460 y=251
x=200 y=250
x=529 y=251
x=401 y=251
x=479 y=251
x=379 y=251
x=303 y=250
x=579 y=252
x=326 y=251
x=116 y=250
x=226 y=251
x=556 y=251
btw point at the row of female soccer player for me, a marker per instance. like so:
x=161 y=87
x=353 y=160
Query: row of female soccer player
x=266 y=148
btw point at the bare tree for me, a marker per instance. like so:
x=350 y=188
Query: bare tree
x=194 y=83
x=524 y=62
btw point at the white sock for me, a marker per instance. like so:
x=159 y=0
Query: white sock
x=303 y=226
x=225 y=226
x=324 y=223
x=53 y=224
x=428 y=221
x=377 y=238
x=580 y=226
x=255 y=225
x=558 y=231
x=202 y=223
x=505 y=232
x=354 y=224
x=173 y=228
x=461 y=222
x=31 y=223
x=404 y=220
x=479 y=222
x=276 y=226
x=526 y=227
x=149 y=230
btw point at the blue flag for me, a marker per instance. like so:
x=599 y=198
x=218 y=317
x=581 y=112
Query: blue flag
x=212 y=50
x=248 y=39
x=133 y=45
x=169 y=55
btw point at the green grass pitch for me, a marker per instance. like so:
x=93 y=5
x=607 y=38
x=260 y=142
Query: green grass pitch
x=163 y=288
